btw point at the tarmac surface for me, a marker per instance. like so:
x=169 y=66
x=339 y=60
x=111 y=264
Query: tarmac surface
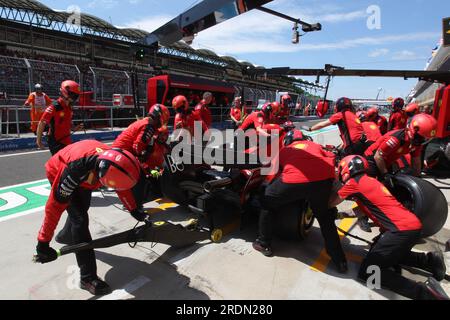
x=230 y=269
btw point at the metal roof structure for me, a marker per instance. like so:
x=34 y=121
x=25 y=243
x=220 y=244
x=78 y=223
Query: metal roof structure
x=36 y=14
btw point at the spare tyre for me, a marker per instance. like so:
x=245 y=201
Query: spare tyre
x=425 y=200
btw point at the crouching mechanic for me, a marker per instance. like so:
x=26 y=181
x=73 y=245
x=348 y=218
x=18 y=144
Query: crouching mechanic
x=400 y=229
x=384 y=153
x=74 y=173
x=307 y=172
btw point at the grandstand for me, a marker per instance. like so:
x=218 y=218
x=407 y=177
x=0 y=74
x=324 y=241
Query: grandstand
x=40 y=45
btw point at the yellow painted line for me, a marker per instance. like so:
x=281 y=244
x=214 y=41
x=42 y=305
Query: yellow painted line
x=354 y=257
x=321 y=264
x=164 y=205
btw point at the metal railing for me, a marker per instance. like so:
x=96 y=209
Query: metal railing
x=15 y=120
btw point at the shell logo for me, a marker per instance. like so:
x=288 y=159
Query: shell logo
x=62 y=114
x=373 y=127
x=111 y=183
x=386 y=191
x=415 y=124
x=400 y=150
x=301 y=146
x=343 y=163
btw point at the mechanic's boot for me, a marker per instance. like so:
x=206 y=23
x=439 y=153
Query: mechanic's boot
x=432 y=290
x=364 y=224
x=264 y=248
x=341 y=266
x=437 y=265
x=96 y=286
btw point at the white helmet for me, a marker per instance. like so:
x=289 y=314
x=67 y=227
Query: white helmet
x=38 y=86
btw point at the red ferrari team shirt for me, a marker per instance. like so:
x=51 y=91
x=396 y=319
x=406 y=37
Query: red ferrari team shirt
x=398 y=120
x=72 y=168
x=306 y=161
x=236 y=113
x=379 y=204
x=58 y=117
x=372 y=131
x=254 y=121
x=183 y=121
x=393 y=146
x=349 y=126
x=203 y=113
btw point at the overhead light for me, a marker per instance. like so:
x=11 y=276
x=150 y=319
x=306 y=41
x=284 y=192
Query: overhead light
x=189 y=39
x=295 y=34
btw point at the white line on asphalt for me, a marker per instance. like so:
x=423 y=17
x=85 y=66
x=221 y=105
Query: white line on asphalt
x=131 y=287
x=22 y=214
x=32 y=152
x=23 y=184
x=23 y=153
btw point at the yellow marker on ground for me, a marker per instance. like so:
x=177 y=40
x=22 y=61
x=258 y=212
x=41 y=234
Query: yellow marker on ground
x=321 y=264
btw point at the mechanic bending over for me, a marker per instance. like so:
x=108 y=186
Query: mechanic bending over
x=307 y=172
x=74 y=173
x=142 y=140
x=383 y=154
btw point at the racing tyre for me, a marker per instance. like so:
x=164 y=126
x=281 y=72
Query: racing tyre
x=425 y=200
x=294 y=222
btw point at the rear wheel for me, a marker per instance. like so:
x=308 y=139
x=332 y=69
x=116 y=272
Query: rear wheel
x=425 y=200
x=294 y=222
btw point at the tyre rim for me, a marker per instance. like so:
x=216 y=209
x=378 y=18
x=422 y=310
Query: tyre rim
x=308 y=218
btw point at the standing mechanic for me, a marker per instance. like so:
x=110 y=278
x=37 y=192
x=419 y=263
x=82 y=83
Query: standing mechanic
x=257 y=119
x=306 y=172
x=74 y=173
x=38 y=101
x=352 y=132
x=286 y=105
x=383 y=154
x=145 y=140
x=401 y=231
x=202 y=111
x=238 y=112
x=373 y=115
x=58 y=117
x=184 y=118
x=398 y=119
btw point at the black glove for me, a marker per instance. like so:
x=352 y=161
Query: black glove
x=45 y=254
x=139 y=214
x=388 y=180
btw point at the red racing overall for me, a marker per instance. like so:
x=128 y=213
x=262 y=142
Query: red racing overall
x=352 y=132
x=400 y=233
x=70 y=175
x=58 y=117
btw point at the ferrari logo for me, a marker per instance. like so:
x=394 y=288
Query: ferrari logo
x=99 y=150
x=433 y=133
x=400 y=150
x=301 y=146
x=62 y=114
x=358 y=121
x=386 y=191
